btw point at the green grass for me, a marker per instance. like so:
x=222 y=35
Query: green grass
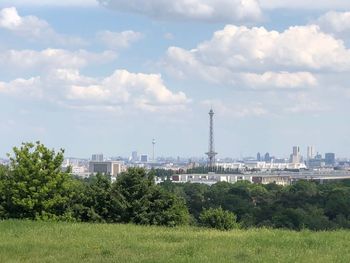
x=25 y=241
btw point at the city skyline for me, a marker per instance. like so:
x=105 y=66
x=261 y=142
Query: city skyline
x=104 y=76
x=137 y=156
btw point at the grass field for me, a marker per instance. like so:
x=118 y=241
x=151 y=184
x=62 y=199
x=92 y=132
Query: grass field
x=25 y=241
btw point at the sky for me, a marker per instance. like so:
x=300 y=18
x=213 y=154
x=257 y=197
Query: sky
x=108 y=76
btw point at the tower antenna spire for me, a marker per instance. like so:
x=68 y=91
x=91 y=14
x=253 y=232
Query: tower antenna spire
x=211 y=153
x=153 y=146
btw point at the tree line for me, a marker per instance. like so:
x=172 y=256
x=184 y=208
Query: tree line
x=303 y=205
x=33 y=186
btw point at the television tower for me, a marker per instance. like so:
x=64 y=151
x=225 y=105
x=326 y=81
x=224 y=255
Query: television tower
x=211 y=153
x=153 y=145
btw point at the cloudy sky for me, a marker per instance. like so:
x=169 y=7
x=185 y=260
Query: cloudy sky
x=109 y=75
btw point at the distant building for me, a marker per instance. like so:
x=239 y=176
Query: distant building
x=318 y=156
x=113 y=168
x=310 y=152
x=97 y=157
x=210 y=178
x=295 y=157
x=316 y=163
x=330 y=159
x=77 y=170
x=258 y=157
x=144 y=158
x=267 y=157
x=134 y=156
x=281 y=160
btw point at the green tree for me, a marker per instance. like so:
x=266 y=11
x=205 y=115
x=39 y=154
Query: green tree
x=35 y=186
x=142 y=202
x=195 y=197
x=218 y=218
x=96 y=201
x=338 y=202
x=3 y=175
x=162 y=173
x=299 y=194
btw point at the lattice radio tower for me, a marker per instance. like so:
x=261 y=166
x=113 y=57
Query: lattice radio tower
x=211 y=153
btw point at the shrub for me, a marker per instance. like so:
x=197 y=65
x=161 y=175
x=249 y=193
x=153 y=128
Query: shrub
x=218 y=218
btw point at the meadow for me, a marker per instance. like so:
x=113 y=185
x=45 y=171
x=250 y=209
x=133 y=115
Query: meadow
x=28 y=241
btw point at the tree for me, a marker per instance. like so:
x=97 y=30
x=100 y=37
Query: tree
x=218 y=218
x=165 y=209
x=162 y=173
x=96 y=202
x=195 y=197
x=35 y=186
x=142 y=202
x=3 y=175
x=299 y=194
x=338 y=202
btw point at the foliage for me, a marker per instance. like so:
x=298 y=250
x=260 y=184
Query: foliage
x=218 y=218
x=302 y=205
x=3 y=175
x=97 y=203
x=34 y=185
x=142 y=202
x=162 y=173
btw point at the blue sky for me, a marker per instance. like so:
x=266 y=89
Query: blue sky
x=108 y=76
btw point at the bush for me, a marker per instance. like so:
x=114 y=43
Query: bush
x=218 y=218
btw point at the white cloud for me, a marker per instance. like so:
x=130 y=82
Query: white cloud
x=22 y=88
x=47 y=59
x=33 y=28
x=303 y=47
x=122 y=90
x=182 y=64
x=87 y=3
x=260 y=57
x=117 y=40
x=337 y=23
x=206 y=10
x=305 y=4
x=252 y=109
x=280 y=79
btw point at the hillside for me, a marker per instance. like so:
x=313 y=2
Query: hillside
x=26 y=241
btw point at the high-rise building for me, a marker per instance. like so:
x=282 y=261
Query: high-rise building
x=330 y=159
x=144 y=158
x=296 y=150
x=295 y=157
x=97 y=157
x=134 y=156
x=258 y=157
x=310 y=152
x=267 y=157
x=211 y=153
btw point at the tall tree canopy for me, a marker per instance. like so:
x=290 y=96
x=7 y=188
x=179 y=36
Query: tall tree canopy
x=35 y=186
